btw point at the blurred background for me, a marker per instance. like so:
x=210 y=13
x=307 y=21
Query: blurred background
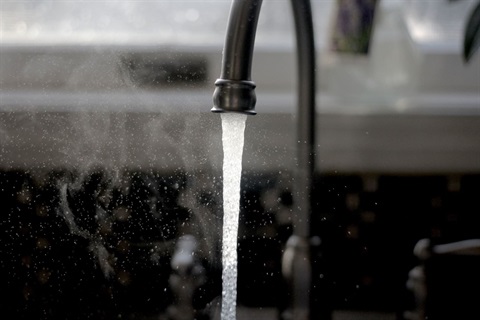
x=110 y=161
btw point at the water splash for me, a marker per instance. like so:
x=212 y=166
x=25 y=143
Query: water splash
x=233 y=127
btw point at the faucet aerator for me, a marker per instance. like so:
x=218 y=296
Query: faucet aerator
x=234 y=96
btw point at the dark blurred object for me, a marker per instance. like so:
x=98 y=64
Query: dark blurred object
x=53 y=264
x=353 y=28
x=471 y=36
x=445 y=284
x=471 y=40
x=87 y=246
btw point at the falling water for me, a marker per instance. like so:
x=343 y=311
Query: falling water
x=233 y=127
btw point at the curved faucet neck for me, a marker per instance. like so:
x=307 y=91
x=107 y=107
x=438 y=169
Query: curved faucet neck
x=240 y=40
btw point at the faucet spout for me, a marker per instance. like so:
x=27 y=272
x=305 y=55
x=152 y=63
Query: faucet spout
x=235 y=92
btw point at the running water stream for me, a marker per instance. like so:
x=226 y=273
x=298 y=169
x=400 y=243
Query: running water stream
x=233 y=127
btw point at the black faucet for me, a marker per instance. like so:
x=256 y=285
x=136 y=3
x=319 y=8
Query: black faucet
x=235 y=92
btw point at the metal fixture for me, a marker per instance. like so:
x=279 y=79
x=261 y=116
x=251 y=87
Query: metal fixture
x=235 y=92
x=188 y=274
